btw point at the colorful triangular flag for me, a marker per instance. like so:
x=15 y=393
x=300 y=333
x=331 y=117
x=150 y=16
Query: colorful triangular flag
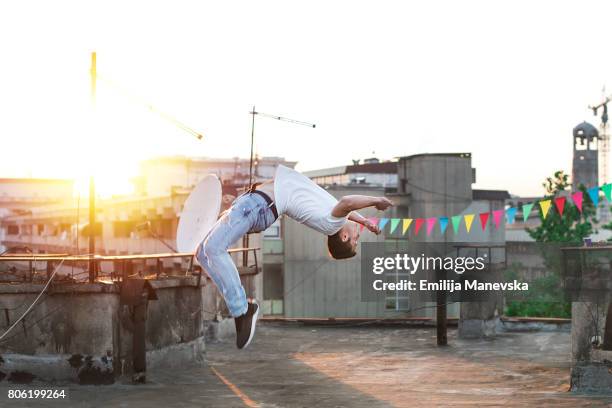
x=468 y=221
x=418 y=223
x=394 y=224
x=511 y=214
x=607 y=189
x=594 y=195
x=484 y=217
x=373 y=220
x=456 y=221
x=443 y=224
x=382 y=223
x=544 y=206
x=406 y=224
x=497 y=215
x=577 y=197
x=527 y=210
x=560 y=204
x=430 y=224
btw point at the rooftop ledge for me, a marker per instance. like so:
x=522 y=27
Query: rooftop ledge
x=98 y=287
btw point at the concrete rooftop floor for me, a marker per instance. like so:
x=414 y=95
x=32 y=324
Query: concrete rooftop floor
x=306 y=366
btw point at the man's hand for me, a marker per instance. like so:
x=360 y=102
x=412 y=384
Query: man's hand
x=372 y=227
x=383 y=203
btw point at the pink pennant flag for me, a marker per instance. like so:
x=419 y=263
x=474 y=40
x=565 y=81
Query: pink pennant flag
x=560 y=204
x=577 y=197
x=430 y=224
x=373 y=220
x=484 y=217
x=418 y=223
x=497 y=216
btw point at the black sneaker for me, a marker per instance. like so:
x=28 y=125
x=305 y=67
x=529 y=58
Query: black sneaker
x=245 y=325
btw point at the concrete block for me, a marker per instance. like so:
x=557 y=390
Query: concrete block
x=592 y=377
x=477 y=328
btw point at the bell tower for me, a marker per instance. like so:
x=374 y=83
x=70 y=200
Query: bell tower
x=585 y=167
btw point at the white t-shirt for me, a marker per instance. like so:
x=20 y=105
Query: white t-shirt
x=300 y=198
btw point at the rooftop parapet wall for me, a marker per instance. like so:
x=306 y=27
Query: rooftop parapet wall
x=75 y=327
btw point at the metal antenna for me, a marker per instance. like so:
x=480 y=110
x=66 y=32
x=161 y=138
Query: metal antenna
x=150 y=107
x=276 y=117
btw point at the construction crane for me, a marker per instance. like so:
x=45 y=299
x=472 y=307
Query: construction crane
x=604 y=136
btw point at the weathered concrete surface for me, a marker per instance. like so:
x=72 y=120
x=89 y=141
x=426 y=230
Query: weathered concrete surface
x=592 y=367
x=81 y=332
x=532 y=324
x=296 y=366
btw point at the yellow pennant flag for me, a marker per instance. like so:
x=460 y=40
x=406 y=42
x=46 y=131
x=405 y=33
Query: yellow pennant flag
x=468 y=221
x=544 y=206
x=406 y=224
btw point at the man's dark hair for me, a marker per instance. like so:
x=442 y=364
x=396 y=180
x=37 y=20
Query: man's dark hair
x=338 y=248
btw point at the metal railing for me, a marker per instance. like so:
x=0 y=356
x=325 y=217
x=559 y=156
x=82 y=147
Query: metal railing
x=123 y=265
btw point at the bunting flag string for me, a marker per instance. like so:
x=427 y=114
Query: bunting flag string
x=545 y=204
x=594 y=195
x=430 y=224
x=527 y=211
x=456 y=220
x=560 y=204
x=406 y=224
x=382 y=223
x=394 y=223
x=443 y=224
x=484 y=217
x=497 y=215
x=577 y=197
x=418 y=223
x=468 y=221
x=607 y=189
x=511 y=214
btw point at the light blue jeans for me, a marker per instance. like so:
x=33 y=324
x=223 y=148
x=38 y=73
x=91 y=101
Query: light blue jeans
x=249 y=213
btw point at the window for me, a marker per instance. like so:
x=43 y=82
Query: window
x=397 y=300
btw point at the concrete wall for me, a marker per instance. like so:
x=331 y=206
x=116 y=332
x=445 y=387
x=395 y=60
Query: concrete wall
x=315 y=285
x=81 y=332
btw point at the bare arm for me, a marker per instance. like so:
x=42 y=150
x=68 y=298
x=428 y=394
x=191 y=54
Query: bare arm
x=357 y=202
x=360 y=219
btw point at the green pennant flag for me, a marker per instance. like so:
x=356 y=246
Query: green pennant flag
x=607 y=189
x=394 y=223
x=526 y=211
x=456 y=220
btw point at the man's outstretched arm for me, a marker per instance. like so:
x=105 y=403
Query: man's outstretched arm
x=357 y=202
x=360 y=219
x=348 y=205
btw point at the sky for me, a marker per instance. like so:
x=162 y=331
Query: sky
x=506 y=81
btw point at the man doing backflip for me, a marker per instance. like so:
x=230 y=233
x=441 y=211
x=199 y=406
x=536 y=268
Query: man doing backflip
x=299 y=198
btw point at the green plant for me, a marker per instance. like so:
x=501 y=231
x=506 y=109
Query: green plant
x=545 y=297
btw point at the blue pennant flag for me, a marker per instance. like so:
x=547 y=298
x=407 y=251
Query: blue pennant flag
x=510 y=214
x=382 y=223
x=594 y=194
x=443 y=224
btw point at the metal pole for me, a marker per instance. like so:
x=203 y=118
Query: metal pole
x=252 y=140
x=441 y=322
x=92 y=186
x=245 y=238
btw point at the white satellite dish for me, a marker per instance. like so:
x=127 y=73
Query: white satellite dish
x=199 y=214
